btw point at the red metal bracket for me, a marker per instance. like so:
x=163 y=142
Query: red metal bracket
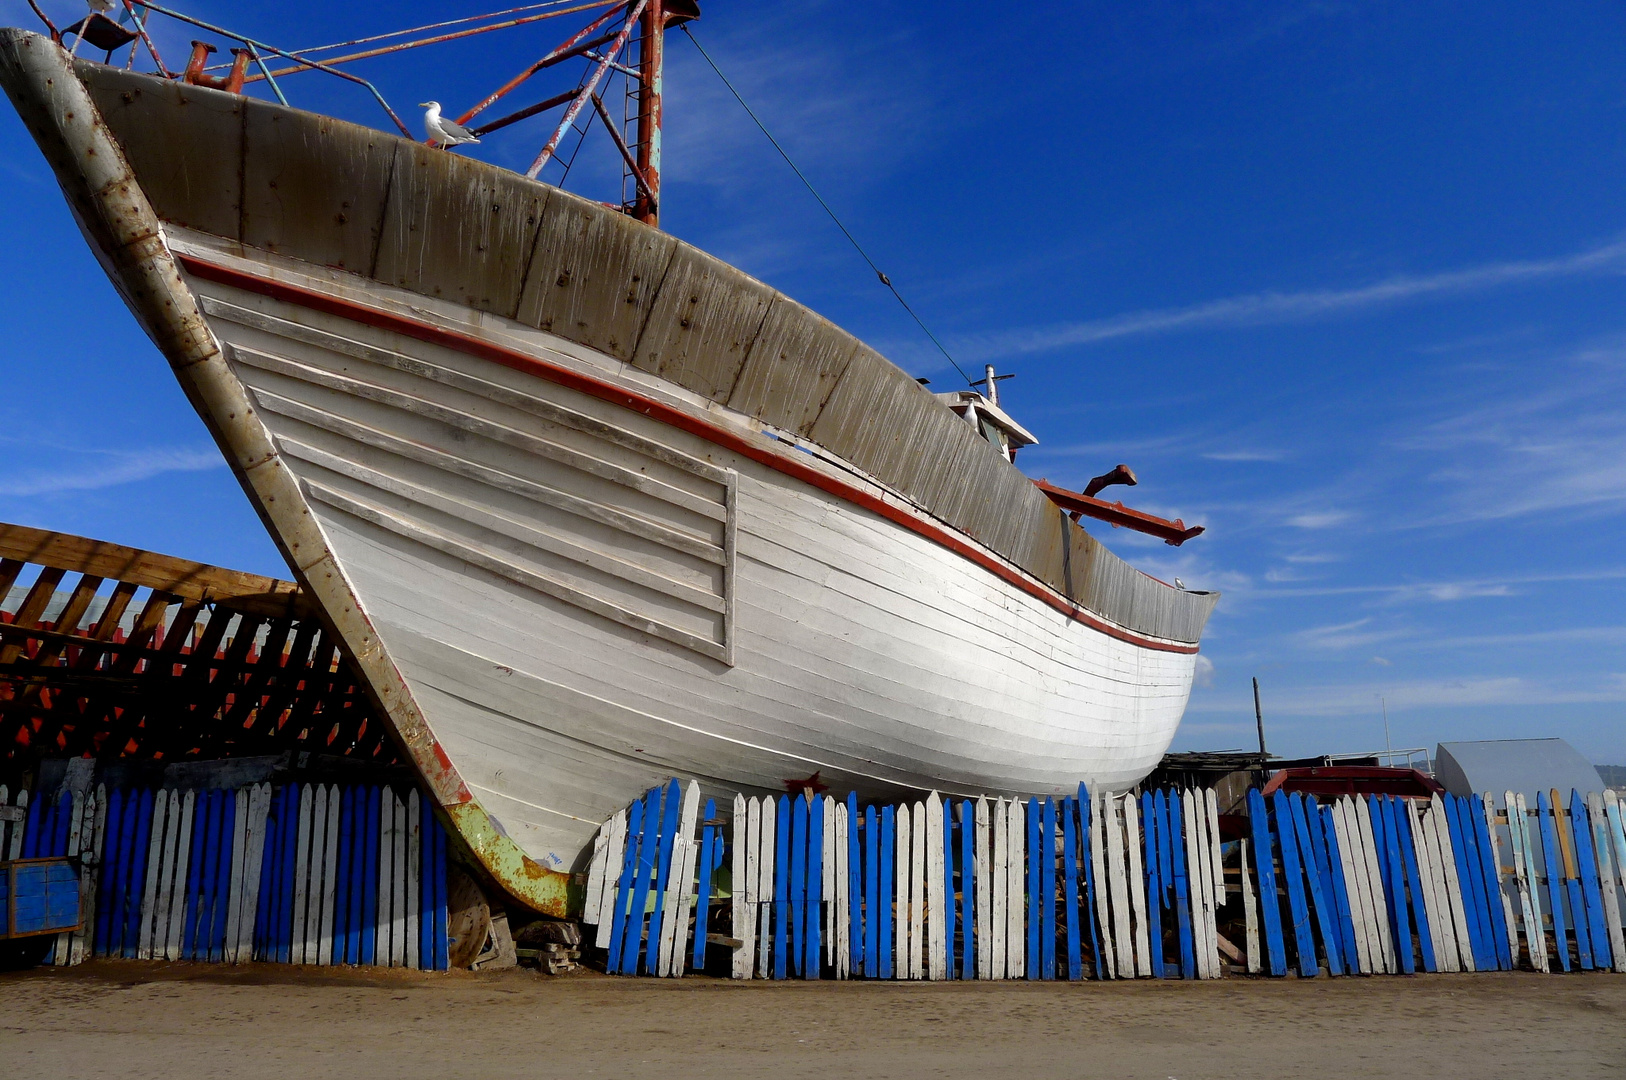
x=1174 y=533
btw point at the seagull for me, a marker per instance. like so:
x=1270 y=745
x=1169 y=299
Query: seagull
x=443 y=133
x=1178 y=584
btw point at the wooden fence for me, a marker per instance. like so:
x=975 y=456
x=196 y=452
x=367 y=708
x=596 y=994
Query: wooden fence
x=303 y=874
x=1108 y=886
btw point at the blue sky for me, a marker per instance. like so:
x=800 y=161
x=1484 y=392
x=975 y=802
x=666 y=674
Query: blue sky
x=1341 y=281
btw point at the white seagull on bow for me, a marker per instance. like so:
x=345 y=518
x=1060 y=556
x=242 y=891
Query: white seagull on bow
x=441 y=131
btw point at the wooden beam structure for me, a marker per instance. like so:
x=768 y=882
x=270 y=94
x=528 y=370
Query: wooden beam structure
x=119 y=653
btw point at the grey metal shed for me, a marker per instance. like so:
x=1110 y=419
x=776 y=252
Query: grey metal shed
x=1519 y=765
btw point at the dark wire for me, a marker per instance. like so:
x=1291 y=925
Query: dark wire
x=814 y=192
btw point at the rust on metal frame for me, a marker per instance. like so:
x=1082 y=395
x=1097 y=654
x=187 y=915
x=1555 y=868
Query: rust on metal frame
x=1173 y=533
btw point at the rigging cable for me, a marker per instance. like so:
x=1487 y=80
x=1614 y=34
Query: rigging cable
x=814 y=192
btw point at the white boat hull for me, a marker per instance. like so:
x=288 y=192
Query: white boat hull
x=860 y=650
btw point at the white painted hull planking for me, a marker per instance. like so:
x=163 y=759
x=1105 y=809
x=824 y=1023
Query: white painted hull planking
x=585 y=600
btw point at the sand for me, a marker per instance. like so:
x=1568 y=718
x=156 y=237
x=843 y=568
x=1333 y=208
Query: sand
x=129 y=1019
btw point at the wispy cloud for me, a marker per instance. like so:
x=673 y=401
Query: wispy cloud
x=1263 y=308
x=106 y=469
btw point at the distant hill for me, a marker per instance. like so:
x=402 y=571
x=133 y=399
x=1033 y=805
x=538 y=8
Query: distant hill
x=1613 y=776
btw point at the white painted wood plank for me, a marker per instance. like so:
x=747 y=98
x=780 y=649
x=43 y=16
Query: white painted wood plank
x=234 y=874
x=1137 y=886
x=1374 y=885
x=15 y=840
x=981 y=881
x=1103 y=884
x=1428 y=916
x=1434 y=824
x=1250 y=914
x=302 y=874
x=834 y=913
x=1200 y=877
x=384 y=920
x=843 y=893
x=742 y=927
x=174 y=939
x=1504 y=908
x=936 y=930
x=398 y=903
x=414 y=876
x=903 y=827
x=1616 y=829
x=1215 y=860
x=89 y=839
x=917 y=893
x=1350 y=852
x=155 y=873
x=1000 y=890
x=1123 y=935
x=594 y=896
x=765 y=875
x=1205 y=854
x=1521 y=882
x=1535 y=940
x=62 y=950
x=683 y=880
x=614 y=851
x=1016 y=938
x=327 y=862
x=259 y=809
x=1603 y=850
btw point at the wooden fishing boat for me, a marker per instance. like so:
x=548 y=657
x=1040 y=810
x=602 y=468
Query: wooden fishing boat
x=587 y=507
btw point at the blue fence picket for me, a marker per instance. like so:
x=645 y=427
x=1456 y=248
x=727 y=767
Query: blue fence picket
x=1069 y=877
x=1265 y=870
x=798 y=882
x=1182 y=886
x=624 y=886
x=1151 y=830
x=813 y=932
x=442 y=945
x=950 y=908
x=1414 y=885
x=710 y=845
x=1314 y=862
x=1397 y=900
x=1292 y=870
x=1467 y=871
x=1490 y=873
x=1587 y=863
x=855 y=888
x=968 y=889
x=1083 y=807
x=781 y=888
x=1335 y=864
x=883 y=893
x=663 y=871
x=648 y=857
x=1555 y=893
x=872 y=894
x=1044 y=897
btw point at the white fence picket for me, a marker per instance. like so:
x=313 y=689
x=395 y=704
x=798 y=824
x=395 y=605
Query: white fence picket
x=1016 y=878
x=843 y=895
x=982 y=881
x=1137 y=886
x=1000 y=887
x=743 y=885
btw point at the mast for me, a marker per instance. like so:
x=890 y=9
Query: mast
x=657 y=16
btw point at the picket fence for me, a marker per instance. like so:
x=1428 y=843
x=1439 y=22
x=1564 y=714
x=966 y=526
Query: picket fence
x=301 y=874
x=1109 y=885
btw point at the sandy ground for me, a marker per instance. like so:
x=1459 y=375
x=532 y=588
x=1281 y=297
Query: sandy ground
x=127 y=1019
